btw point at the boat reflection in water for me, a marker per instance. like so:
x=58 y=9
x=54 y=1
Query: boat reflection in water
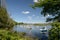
x=44 y=31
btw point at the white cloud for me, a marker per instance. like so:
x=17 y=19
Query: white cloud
x=25 y=12
x=35 y=0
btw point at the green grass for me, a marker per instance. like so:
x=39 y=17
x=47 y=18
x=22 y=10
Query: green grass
x=8 y=35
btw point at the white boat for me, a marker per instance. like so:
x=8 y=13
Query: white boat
x=43 y=30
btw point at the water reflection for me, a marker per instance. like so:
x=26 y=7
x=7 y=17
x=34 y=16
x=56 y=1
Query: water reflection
x=33 y=30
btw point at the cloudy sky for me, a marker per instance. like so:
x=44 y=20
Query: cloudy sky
x=21 y=11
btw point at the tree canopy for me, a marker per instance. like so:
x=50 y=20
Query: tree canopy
x=50 y=7
x=5 y=20
x=3 y=16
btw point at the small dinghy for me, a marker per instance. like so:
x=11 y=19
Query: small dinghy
x=43 y=30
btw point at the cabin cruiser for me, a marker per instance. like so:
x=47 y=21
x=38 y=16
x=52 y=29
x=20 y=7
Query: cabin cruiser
x=43 y=30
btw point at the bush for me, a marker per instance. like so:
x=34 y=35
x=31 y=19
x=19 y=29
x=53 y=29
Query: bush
x=5 y=20
x=54 y=33
x=8 y=35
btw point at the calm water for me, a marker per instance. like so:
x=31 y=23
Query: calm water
x=32 y=30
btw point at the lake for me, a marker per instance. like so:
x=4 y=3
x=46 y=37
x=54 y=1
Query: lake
x=33 y=30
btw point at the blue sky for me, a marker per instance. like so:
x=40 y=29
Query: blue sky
x=21 y=11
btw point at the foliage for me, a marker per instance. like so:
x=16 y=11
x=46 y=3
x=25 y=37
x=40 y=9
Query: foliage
x=11 y=23
x=54 y=33
x=3 y=17
x=5 y=20
x=8 y=35
x=42 y=24
x=20 y=23
x=50 y=7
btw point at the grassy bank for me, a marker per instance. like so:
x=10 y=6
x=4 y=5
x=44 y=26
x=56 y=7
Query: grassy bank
x=8 y=35
x=55 y=31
